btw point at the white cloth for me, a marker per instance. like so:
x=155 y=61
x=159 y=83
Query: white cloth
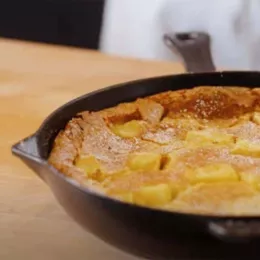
x=134 y=28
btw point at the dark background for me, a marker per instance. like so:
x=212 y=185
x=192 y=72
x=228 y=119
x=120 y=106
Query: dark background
x=68 y=22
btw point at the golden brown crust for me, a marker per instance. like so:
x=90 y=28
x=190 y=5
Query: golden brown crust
x=90 y=134
x=66 y=148
x=67 y=144
x=209 y=102
x=206 y=102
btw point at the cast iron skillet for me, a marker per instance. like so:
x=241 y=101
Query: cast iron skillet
x=150 y=233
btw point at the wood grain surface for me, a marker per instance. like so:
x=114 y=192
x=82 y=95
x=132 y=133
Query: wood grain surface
x=34 y=80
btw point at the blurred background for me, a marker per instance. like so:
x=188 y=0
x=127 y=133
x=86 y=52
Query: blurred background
x=134 y=28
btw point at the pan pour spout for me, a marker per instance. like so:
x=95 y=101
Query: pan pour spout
x=27 y=151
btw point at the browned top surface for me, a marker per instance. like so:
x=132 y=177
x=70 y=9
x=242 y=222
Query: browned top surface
x=218 y=107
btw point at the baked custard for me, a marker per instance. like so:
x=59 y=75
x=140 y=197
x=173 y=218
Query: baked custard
x=194 y=151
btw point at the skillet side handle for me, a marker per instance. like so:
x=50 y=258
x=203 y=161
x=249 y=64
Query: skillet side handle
x=235 y=230
x=193 y=48
x=27 y=151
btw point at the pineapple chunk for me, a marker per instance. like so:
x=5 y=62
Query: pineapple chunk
x=127 y=197
x=214 y=173
x=256 y=117
x=216 y=198
x=170 y=160
x=177 y=187
x=144 y=161
x=205 y=137
x=245 y=118
x=251 y=178
x=129 y=129
x=244 y=147
x=153 y=195
x=88 y=164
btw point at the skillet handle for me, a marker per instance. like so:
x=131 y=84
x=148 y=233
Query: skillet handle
x=235 y=230
x=194 y=49
x=27 y=151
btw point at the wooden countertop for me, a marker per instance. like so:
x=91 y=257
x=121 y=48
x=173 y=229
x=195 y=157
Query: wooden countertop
x=34 y=80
